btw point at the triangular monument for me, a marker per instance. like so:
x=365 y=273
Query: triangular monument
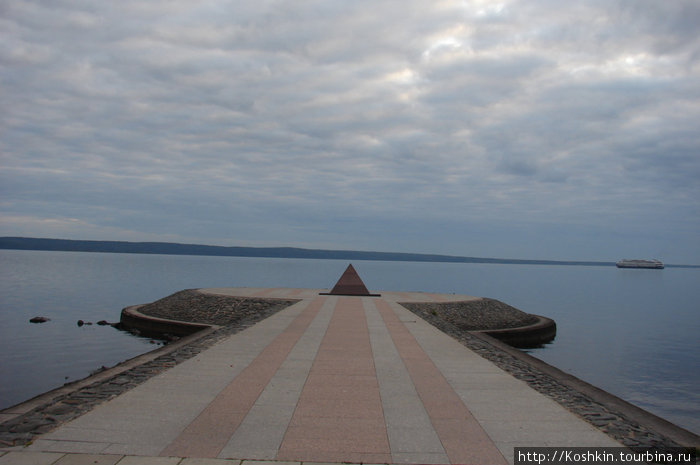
x=350 y=283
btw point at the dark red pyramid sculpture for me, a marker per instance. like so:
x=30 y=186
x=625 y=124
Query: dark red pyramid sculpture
x=349 y=283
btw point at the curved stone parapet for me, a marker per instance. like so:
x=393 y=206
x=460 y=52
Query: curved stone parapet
x=192 y=310
x=534 y=335
x=132 y=319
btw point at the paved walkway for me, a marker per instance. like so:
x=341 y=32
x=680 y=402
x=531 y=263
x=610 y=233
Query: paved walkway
x=328 y=379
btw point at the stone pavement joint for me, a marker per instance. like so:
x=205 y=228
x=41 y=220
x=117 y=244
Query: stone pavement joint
x=328 y=379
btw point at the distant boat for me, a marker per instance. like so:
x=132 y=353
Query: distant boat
x=653 y=264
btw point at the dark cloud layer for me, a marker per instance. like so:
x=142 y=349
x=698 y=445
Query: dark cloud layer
x=524 y=129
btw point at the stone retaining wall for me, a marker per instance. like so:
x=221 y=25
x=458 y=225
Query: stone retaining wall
x=534 y=335
x=133 y=320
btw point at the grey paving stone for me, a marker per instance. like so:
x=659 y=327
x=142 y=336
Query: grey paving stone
x=263 y=442
x=140 y=460
x=145 y=450
x=411 y=457
x=250 y=454
x=29 y=458
x=414 y=439
x=197 y=461
x=249 y=462
x=89 y=459
x=78 y=447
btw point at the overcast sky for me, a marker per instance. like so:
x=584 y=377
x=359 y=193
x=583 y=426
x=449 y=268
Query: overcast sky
x=519 y=129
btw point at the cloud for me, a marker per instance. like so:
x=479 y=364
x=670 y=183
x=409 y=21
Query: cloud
x=280 y=123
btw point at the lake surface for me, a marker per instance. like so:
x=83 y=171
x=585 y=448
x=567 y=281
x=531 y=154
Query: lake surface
x=631 y=332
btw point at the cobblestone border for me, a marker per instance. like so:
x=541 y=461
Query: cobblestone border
x=612 y=421
x=59 y=409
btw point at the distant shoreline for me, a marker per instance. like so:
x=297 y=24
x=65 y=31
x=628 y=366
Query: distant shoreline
x=171 y=248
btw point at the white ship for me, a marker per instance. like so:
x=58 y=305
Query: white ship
x=654 y=264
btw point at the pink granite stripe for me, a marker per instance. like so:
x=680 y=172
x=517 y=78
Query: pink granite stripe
x=207 y=434
x=463 y=439
x=339 y=415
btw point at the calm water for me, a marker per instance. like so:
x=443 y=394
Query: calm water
x=631 y=332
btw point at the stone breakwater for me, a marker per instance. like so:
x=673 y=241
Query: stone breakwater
x=231 y=314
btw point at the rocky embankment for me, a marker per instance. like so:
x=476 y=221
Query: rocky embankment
x=193 y=306
x=492 y=317
x=476 y=315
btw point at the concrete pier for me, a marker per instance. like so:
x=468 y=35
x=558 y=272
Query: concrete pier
x=327 y=379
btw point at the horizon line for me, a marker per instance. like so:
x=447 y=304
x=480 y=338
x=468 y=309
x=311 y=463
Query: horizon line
x=180 y=248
